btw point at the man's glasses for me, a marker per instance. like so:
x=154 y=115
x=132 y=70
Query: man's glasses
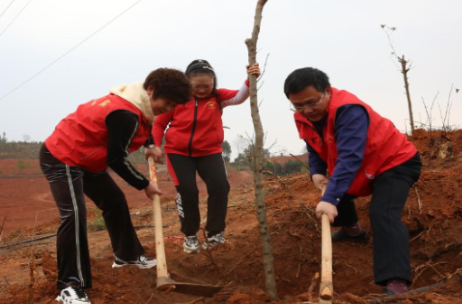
x=308 y=105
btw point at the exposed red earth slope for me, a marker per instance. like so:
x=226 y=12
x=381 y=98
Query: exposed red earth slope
x=433 y=215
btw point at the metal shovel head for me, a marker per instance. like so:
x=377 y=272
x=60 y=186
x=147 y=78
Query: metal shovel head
x=167 y=285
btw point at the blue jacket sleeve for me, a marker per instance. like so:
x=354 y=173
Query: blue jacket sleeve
x=315 y=162
x=351 y=126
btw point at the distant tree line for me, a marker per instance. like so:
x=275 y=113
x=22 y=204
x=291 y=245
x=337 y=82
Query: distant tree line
x=289 y=167
x=30 y=150
x=244 y=160
x=19 y=149
x=27 y=149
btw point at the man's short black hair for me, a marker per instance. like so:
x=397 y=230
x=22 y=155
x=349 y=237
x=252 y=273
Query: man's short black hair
x=305 y=77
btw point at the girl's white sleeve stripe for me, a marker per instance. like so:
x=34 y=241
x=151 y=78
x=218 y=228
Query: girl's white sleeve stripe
x=240 y=97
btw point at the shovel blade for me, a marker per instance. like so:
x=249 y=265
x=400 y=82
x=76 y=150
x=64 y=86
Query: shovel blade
x=196 y=289
x=167 y=285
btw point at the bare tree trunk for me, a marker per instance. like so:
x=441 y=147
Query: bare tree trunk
x=404 y=70
x=258 y=159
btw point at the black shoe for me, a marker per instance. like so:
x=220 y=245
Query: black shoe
x=142 y=262
x=213 y=241
x=73 y=295
x=191 y=244
x=388 y=292
x=395 y=287
x=341 y=236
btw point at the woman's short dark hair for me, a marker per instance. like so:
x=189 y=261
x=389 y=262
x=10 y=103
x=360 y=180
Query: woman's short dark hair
x=305 y=77
x=202 y=67
x=170 y=84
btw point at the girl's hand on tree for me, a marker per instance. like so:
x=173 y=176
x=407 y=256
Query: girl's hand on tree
x=254 y=70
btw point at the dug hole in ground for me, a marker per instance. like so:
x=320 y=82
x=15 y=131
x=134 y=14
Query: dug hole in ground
x=433 y=215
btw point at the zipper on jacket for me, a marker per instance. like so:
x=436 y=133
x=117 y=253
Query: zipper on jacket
x=193 y=127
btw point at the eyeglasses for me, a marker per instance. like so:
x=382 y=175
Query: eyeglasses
x=202 y=86
x=309 y=105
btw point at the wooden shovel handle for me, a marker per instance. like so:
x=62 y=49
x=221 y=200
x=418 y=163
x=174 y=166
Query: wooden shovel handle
x=326 y=288
x=160 y=248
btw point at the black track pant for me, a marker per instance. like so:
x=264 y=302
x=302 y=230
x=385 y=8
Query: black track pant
x=68 y=186
x=212 y=170
x=391 y=237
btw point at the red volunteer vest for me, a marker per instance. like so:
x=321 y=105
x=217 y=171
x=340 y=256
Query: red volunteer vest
x=196 y=128
x=386 y=147
x=80 y=139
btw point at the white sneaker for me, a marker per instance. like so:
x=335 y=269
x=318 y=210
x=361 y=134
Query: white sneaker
x=214 y=241
x=142 y=262
x=73 y=295
x=191 y=244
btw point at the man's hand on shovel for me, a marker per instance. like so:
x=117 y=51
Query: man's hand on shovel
x=320 y=182
x=326 y=208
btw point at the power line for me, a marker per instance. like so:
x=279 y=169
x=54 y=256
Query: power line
x=15 y=18
x=6 y=8
x=73 y=48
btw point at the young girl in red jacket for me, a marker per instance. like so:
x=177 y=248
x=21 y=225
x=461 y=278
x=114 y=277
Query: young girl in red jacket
x=193 y=144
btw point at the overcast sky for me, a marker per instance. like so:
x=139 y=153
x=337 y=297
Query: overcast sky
x=342 y=38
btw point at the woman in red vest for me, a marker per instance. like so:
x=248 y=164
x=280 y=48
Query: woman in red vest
x=193 y=144
x=74 y=159
x=364 y=154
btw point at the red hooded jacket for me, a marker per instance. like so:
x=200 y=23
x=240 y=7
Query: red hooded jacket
x=196 y=128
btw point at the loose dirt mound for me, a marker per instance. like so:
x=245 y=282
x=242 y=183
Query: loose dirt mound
x=284 y=159
x=433 y=215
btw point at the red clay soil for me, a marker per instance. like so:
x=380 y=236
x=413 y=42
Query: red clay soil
x=25 y=199
x=433 y=215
